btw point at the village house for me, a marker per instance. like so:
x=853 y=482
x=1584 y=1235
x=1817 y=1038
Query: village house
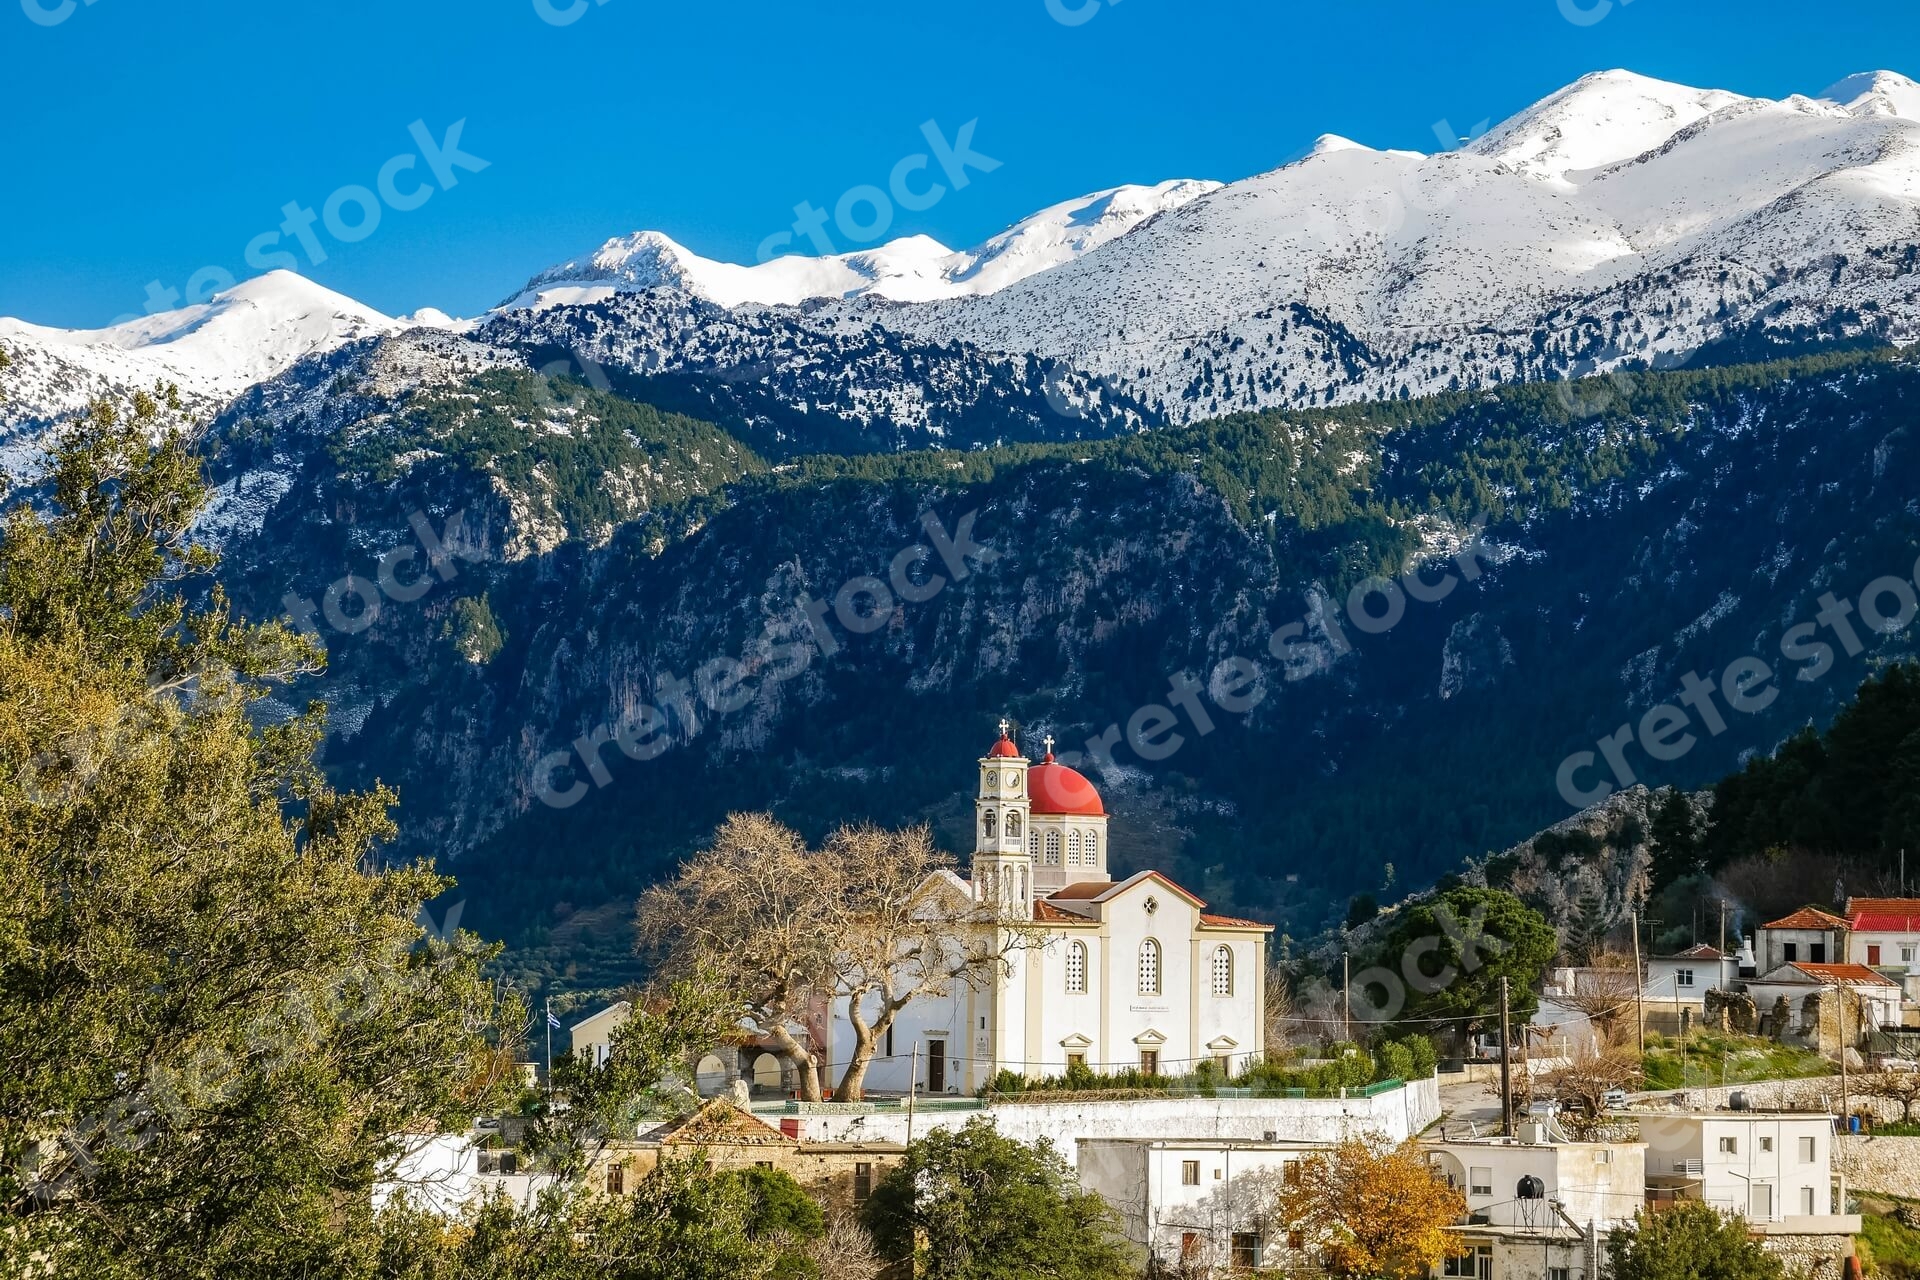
x=1852 y=1002
x=1884 y=935
x=1809 y=934
x=1538 y=1209
x=1196 y=1204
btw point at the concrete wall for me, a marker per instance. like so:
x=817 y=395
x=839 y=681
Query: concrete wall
x=1398 y=1113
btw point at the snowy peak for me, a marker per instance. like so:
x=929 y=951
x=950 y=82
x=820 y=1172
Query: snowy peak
x=1598 y=120
x=1876 y=93
x=910 y=269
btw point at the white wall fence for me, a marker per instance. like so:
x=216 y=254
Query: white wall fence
x=1396 y=1113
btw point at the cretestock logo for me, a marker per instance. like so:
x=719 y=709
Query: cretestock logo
x=864 y=213
x=784 y=649
x=43 y=14
x=442 y=550
x=564 y=13
x=1470 y=942
x=351 y=214
x=1069 y=13
x=1588 y=14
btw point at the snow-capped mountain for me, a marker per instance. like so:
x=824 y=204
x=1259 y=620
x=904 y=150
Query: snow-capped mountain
x=212 y=351
x=910 y=269
x=1620 y=220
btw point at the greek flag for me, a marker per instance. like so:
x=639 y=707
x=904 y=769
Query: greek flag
x=551 y=1020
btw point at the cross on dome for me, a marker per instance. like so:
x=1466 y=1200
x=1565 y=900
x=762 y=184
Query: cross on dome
x=1048 y=740
x=1004 y=726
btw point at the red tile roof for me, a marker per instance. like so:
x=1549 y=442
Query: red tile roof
x=1884 y=915
x=1807 y=918
x=1857 y=974
x=1044 y=911
x=1231 y=922
x=1698 y=951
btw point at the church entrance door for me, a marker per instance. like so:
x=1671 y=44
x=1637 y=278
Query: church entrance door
x=936 y=1066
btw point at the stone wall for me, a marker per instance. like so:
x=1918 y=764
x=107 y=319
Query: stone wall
x=1890 y=1166
x=1810 y=1257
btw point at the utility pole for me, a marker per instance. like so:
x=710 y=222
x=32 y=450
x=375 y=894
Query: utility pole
x=1506 y=1067
x=1639 y=1006
x=913 y=1086
x=547 y=1007
x=1846 y=1109
x=1346 y=992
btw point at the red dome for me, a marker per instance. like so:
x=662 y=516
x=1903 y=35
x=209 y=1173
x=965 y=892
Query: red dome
x=1004 y=748
x=1054 y=788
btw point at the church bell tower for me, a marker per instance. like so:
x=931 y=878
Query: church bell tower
x=1002 y=864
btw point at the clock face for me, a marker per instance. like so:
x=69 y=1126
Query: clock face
x=1013 y=783
x=993 y=779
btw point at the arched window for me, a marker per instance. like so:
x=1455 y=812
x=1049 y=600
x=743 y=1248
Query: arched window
x=1223 y=971
x=1033 y=844
x=986 y=824
x=1053 y=848
x=1076 y=968
x=1013 y=826
x=1150 y=968
x=1091 y=850
x=1073 y=848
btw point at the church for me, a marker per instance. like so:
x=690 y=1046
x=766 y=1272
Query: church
x=1133 y=973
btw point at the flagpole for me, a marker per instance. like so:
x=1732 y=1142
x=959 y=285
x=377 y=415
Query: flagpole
x=549 y=1010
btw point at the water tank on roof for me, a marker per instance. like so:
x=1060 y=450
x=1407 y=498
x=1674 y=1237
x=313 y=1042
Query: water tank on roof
x=1530 y=1188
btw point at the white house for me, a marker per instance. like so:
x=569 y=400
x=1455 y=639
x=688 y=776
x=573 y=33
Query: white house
x=592 y=1037
x=1130 y=974
x=1884 y=934
x=1772 y=1167
x=1690 y=974
x=1198 y=1204
x=1538 y=1210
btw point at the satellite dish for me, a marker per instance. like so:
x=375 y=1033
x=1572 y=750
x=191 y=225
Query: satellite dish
x=1531 y=1188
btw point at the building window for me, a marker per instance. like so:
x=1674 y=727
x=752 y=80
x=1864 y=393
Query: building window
x=616 y=1179
x=1150 y=968
x=1683 y=977
x=1790 y=951
x=1223 y=971
x=1766 y=1144
x=1906 y=953
x=1475 y=1263
x=1806 y=1201
x=1033 y=844
x=862 y=1181
x=987 y=824
x=1559 y=1273
x=1189 y=1173
x=1076 y=1062
x=1730 y=1146
x=1092 y=848
x=1073 y=848
x=1189 y=1248
x=1149 y=1062
x=1480 y=1182
x=1076 y=968
x=1246 y=1249
x=1817 y=952
x=1806 y=1151
x=1013 y=826
x=1223 y=1063
x=1053 y=848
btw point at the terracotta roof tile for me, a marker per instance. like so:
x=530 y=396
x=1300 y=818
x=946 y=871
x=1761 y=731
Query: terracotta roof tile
x=1850 y=973
x=1884 y=915
x=1807 y=918
x=1232 y=922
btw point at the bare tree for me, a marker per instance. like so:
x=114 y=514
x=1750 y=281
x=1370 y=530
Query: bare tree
x=749 y=909
x=845 y=1252
x=1581 y=1089
x=901 y=933
x=1902 y=1087
x=1603 y=993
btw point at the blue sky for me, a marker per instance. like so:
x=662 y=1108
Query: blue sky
x=147 y=140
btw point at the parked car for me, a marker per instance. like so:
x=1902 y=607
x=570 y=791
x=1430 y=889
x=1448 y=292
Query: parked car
x=1614 y=1099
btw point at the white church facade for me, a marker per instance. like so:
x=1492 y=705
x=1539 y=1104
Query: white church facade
x=1111 y=974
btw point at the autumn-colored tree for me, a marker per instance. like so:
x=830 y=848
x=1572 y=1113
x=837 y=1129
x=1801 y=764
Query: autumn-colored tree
x=1368 y=1207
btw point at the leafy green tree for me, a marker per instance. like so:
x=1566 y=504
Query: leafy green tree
x=216 y=1011
x=1461 y=943
x=984 y=1207
x=1690 y=1241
